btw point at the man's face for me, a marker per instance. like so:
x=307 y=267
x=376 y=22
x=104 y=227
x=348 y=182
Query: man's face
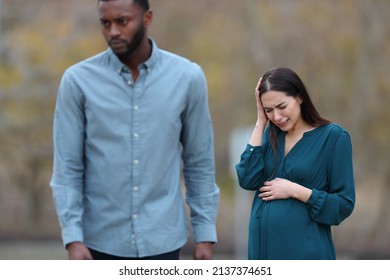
x=123 y=25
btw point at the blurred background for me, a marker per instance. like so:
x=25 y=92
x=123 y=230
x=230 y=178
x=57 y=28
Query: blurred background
x=341 y=50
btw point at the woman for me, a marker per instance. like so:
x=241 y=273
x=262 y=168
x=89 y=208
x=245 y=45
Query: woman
x=300 y=167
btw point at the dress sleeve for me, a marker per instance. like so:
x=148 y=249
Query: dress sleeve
x=335 y=205
x=250 y=168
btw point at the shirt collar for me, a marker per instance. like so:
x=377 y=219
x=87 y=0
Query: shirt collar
x=148 y=64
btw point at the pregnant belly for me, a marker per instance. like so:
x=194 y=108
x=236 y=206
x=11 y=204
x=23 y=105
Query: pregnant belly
x=290 y=217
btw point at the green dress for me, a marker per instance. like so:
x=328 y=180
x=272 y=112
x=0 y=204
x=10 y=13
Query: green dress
x=288 y=228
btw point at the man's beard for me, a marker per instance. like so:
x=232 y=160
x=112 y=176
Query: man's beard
x=131 y=46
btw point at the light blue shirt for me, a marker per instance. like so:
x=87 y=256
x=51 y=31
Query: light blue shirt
x=121 y=148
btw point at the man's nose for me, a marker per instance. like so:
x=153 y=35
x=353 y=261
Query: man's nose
x=114 y=31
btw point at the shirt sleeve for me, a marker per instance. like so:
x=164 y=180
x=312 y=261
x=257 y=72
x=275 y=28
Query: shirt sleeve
x=335 y=205
x=202 y=193
x=68 y=166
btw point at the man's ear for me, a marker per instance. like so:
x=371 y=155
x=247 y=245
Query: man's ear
x=148 y=18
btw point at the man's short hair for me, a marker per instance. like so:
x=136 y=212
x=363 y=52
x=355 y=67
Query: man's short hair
x=144 y=4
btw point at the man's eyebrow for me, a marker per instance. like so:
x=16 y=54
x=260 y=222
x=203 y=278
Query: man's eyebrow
x=116 y=18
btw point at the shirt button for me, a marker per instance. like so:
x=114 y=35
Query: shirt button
x=135 y=216
x=136 y=161
x=136 y=108
x=129 y=82
x=251 y=149
x=136 y=135
x=135 y=189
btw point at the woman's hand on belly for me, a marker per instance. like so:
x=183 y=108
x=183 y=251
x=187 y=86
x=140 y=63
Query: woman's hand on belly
x=282 y=189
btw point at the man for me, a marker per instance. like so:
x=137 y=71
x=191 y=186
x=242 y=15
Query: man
x=127 y=122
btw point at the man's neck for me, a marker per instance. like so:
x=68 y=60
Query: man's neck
x=137 y=57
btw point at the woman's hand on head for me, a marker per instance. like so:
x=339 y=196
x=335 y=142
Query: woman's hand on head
x=261 y=116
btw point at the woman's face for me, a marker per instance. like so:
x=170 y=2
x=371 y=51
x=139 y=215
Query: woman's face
x=282 y=110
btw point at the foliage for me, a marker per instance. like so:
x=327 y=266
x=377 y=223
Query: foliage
x=341 y=49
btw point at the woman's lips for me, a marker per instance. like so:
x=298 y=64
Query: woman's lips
x=282 y=124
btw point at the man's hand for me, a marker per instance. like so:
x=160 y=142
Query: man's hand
x=203 y=251
x=78 y=251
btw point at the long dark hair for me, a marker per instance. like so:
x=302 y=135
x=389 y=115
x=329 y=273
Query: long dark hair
x=287 y=81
